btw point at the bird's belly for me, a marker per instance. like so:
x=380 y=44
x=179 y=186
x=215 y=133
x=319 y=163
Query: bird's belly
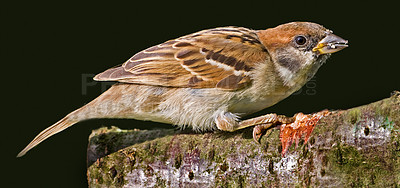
x=248 y=106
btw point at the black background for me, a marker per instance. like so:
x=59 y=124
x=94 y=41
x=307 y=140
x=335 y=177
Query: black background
x=48 y=48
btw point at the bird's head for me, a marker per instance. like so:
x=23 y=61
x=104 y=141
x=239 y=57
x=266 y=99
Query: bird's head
x=298 y=49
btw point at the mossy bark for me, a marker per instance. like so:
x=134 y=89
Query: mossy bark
x=359 y=147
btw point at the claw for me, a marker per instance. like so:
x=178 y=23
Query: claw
x=257 y=132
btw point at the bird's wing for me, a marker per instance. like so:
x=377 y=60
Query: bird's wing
x=221 y=57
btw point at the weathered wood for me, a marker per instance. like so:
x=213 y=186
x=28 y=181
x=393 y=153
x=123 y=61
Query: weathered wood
x=359 y=147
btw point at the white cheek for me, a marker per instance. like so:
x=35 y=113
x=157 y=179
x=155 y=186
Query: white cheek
x=285 y=74
x=308 y=57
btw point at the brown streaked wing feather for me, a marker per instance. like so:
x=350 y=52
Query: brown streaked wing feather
x=232 y=82
x=113 y=74
x=220 y=57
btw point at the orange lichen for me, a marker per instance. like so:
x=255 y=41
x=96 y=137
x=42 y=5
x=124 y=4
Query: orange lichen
x=303 y=125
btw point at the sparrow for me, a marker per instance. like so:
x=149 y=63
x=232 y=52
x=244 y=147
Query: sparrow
x=208 y=80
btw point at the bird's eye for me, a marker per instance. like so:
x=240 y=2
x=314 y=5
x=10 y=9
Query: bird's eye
x=300 y=40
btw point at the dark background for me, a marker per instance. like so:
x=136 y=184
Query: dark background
x=47 y=49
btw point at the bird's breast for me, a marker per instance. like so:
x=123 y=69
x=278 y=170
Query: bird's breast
x=246 y=105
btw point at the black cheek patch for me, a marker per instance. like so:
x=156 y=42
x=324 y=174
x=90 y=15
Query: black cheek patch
x=290 y=63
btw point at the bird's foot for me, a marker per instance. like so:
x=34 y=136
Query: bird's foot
x=303 y=125
x=264 y=123
x=260 y=130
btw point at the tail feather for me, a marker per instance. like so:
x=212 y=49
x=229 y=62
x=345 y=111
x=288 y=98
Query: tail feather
x=50 y=131
x=107 y=105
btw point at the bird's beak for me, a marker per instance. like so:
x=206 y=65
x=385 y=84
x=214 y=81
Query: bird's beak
x=330 y=44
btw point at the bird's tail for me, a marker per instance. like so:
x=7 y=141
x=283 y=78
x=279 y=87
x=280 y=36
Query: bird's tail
x=64 y=123
x=107 y=105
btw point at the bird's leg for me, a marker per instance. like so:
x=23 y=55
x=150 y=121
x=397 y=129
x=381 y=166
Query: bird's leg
x=261 y=123
x=292 y=128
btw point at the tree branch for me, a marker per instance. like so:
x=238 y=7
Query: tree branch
x=356 y=147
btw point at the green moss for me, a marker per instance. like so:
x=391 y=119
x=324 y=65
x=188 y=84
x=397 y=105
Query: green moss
x=114 y=176
x=353 y=115
x=160 y=182
x=389 y=107
x=395 y=148
x=357 y=170
x=211 y=154
x=224 y=167
x=388 y=124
